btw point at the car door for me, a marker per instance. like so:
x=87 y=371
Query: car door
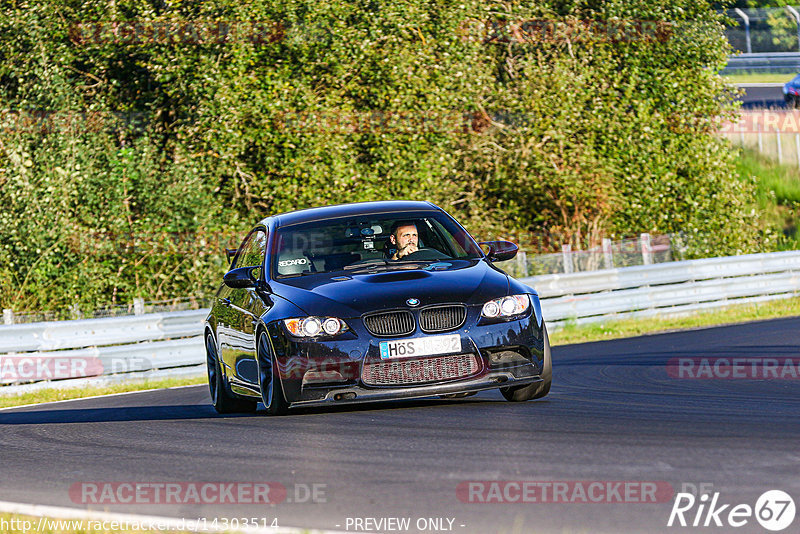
x=237 y=341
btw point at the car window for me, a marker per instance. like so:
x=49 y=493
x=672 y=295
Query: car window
x=452 y=241
x=251 y=253
x=337 y=244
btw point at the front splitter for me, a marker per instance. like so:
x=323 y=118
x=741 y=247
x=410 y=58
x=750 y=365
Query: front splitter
x=357 y=394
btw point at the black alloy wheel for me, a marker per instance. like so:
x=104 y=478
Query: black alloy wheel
x=221 y=397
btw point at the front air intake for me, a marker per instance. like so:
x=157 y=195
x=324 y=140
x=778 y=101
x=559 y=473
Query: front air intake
x=420 y=371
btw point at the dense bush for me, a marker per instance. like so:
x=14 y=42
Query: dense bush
x=127 y=160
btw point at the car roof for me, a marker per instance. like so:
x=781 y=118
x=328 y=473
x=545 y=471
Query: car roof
x=355 y=209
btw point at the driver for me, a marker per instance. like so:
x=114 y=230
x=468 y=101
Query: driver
x=404 y=238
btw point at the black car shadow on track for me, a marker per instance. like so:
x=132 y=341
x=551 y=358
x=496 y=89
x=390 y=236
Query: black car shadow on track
x=108 y=415
x=203 y=411
x=393 y=405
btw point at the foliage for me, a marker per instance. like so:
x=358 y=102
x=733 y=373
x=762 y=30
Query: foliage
x=128 y=159
x=777 y=197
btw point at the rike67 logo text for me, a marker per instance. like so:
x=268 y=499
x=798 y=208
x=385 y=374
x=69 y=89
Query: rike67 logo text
x=774 y=510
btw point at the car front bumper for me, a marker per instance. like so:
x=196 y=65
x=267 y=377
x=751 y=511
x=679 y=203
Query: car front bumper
x=504 y=354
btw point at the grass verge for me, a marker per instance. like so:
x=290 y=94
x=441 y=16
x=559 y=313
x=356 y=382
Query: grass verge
x=758 y=77
x=50 y=395
x=777 y=196
x=615 y=329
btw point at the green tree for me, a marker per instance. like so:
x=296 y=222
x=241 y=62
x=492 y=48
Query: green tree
x=129 y=158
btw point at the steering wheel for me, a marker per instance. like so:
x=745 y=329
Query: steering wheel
x=424 y=254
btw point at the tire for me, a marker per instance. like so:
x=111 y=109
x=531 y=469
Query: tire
x=269 y=379
x=536 y=390
x=223 y=400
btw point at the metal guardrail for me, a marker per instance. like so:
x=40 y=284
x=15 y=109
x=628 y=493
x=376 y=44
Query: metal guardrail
x=764 y=30
x=667 y=289
x=130 y=346
x=772 y=61
x=93 y=332
x=61 y=350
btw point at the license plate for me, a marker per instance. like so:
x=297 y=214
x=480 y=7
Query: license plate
x=420 y=346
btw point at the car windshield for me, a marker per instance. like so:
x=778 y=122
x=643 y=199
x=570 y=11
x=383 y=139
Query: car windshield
x=364 y=242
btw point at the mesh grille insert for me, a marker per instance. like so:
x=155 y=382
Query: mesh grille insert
x=433 y=369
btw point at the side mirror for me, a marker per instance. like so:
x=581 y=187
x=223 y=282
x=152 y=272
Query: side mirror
x=242 y=277
x=500 y=250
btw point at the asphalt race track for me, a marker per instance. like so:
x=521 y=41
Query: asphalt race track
x=617 y=413
x=759 y=96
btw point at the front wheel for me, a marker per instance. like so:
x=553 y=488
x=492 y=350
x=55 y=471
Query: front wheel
x=221 y=397
x=538 y=389
x=269 y=379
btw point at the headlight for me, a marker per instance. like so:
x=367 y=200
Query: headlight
x=506 y=306
x=315 y=326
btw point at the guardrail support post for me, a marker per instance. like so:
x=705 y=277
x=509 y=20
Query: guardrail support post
x=138 y=306
x=760 y=139
x=797 y=148
x=746 y=20
x=8 y=316
x=780 y=152
x=75 y=311
x=647 y=252
x=796 y=16
x=608 y=254
x=566 y=254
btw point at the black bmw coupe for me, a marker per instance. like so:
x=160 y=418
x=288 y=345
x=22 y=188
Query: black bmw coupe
x=371 y=301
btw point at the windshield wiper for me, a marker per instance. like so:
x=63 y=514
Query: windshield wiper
x=295 y=275
x=387 y=265
x=367 y=264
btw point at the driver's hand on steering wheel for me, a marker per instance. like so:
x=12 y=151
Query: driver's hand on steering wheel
x=408 y=249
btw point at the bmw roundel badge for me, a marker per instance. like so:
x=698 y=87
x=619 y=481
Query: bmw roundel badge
x=412 y=302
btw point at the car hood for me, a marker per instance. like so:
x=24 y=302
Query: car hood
x=351 y=294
